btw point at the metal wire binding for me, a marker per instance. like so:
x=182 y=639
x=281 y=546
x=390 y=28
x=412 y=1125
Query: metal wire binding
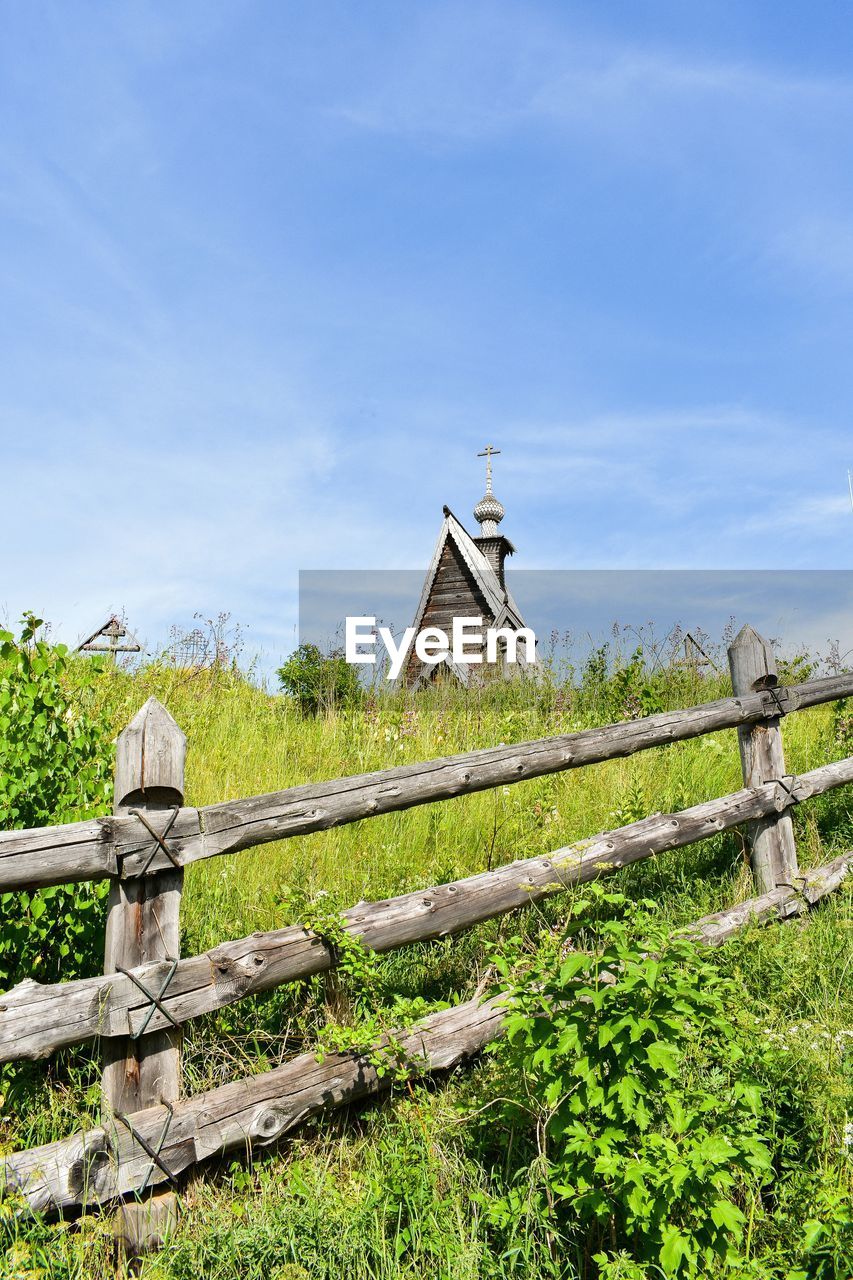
x=159 y=837
x=788 y=785
x=771 y=689
x=156 y=1000
x=150 y=1151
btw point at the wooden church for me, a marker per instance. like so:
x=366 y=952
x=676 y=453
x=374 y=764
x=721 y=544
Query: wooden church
x=466 y=579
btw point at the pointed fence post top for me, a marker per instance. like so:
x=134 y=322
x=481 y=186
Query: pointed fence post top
x=751 y=662
x=150 y=756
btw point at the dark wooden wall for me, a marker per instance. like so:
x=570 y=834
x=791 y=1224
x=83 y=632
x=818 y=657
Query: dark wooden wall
x=454 y=594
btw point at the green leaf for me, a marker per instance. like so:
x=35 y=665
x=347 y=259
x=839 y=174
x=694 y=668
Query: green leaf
x=717 y=1149
x=663 y=1057
x=638 y=1199
x=725 y=1214
x=680 y=1118
x=572 y=965
x=813 y=1233
x=673 y=1251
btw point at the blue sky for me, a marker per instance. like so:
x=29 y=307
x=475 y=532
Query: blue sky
x=274 y=273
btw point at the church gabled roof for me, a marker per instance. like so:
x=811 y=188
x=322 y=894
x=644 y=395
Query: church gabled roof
x=496 y=598
x=466 y=579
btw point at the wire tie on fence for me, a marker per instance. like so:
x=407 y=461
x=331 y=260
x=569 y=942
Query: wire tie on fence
x=771 y=689
x=159 y=837
x=788 y=785
x=152 y=1152
x=800 y=886
x=156 y=1000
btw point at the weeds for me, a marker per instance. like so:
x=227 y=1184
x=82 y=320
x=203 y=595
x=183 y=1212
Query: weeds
x=413 y=1188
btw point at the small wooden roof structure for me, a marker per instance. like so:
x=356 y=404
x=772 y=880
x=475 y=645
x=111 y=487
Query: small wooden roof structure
x=466 y=578
x=113 y=637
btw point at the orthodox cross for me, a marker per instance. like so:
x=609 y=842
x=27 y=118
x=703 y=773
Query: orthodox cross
x=488 y=453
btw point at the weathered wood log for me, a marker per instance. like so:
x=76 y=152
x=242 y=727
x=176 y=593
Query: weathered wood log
x=35 y=857
x=782 y=903
x=35 y=1019
x=143 y=928
x=104 y=1163
x=89 y=850
x=109 y=1161
x=772 y=849
x=120 y=846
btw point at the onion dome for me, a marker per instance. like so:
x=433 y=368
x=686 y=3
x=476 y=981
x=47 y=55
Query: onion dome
x=489 y=513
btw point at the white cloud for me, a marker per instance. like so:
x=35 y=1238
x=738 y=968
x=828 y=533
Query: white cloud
x=494 y=72
x=758 y=145
x=817 y=246
x=823 y=512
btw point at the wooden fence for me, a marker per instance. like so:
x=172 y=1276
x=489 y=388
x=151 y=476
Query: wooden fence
x=149 y=1134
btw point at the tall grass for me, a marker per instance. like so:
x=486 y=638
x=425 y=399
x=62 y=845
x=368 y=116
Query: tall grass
x=391 y=1192
x=243 y=741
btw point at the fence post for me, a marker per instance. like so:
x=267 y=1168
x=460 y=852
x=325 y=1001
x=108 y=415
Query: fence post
x=773 y=852
x=143 y=926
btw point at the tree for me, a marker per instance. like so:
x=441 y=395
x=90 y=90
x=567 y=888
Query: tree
x=318 y=681
x=55 y=766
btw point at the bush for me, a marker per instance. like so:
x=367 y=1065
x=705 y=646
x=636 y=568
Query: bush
x=55 y=766
x=317 y=681
x=628 y=1092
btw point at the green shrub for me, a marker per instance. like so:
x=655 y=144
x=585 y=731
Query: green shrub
x=628 y=1095
x=318 y=681
x=55 y=766
x=613 y=688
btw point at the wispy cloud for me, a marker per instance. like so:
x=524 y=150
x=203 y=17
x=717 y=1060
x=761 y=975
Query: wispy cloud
x=818 y=247
x=489 y=77
x=741 y=134
x=830 y=513
x=273 y=278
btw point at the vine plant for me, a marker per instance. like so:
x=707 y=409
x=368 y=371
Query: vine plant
x=381 y=1016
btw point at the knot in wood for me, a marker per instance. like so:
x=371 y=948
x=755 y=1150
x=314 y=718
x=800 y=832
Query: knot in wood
x=268 y=1123
x=230 y=977
x=91 y=1171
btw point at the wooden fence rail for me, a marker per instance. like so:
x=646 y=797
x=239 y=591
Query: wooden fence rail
x=122 y=847
x=148 y=992
x=36 y=1019
x=110 y=1161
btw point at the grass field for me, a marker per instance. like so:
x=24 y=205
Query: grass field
x=402 y=1189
